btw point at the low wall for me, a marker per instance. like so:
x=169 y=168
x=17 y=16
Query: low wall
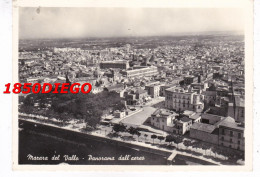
x=204 y=136
x=192 y=159
x=57 y=131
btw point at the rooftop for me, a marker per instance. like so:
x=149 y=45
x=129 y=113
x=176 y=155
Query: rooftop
x=177 y=90
x=203 y=127
x=229 y=122
x=188 y=113
x=185 y=119
x=163 y=112
x=195 y=116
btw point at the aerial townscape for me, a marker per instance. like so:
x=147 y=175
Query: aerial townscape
x=180 y=95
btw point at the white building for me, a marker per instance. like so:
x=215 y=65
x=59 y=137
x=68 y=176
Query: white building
x=179 y=99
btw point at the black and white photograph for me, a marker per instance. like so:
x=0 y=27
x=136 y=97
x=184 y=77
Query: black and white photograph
x=121 y=86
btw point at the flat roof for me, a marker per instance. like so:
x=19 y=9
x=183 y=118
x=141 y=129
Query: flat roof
x=185 y=119
x=195 y=116
x=203 y=127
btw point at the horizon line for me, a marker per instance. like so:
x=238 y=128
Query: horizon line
x=240 y=32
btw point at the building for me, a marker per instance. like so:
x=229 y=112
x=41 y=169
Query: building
x=153 y=90
x=210 y=98
x=28 y=61
x=190 y=79
x=237 y=112
x=182 y=126
x=195 y=117
x=223 y=131
x=96 y=90
x=119 y=114
x=120 y=64
x=166 y=86
x=231 y=135
x=130 y=98
x=141 y=71
x=135 y=97
x=163 y=119
x=199 y=86
x=209 y=76
x=179 y=99
x=118 y=88
x=210 y=118
x=222 y=102
x=204 y=132
x=141 y=94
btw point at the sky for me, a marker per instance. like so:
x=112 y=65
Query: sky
x=53 y=22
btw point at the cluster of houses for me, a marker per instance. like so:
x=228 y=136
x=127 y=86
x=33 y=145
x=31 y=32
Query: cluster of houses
x=203 y=86
x=206 y=127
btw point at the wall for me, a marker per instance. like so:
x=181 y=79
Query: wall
x=203 y=136
x=225 y=137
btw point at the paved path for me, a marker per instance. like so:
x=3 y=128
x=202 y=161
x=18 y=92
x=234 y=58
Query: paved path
x=138 y=118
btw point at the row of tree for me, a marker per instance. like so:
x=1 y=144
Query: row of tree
x=134 y=131
x=122 y=128
x=88 y=107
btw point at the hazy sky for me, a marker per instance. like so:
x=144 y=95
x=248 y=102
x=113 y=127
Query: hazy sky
x=110 y=22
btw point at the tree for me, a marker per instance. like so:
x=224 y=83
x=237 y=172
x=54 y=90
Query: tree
x=26 y=109
x=153 y=137
x=204 y=147
x=177 y=140
x=64 y=117
x=132 y=130
x=138 y=134
x=187 y=143
x=119 y=128
x=93 y=120
x=169 y=139
x=160 y=138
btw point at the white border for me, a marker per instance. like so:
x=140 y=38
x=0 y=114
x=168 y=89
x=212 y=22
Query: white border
x=152 y=3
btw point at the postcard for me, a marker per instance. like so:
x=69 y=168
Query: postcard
x=132 y=85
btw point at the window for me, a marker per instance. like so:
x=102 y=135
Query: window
x=238 y=142
x=231 y=133
x=230 y=140
x=222 y=138
x=223 y=132
x=239 y=135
